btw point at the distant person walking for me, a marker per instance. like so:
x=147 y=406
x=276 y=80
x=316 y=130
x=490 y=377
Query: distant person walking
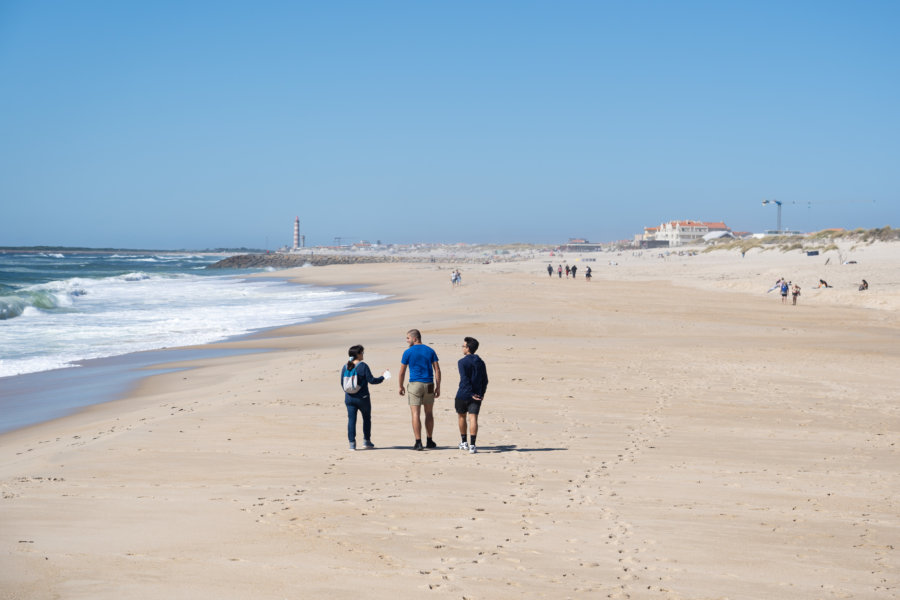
x=355 y=379
x=473 y=381
x=587 y=274
x=559 y=271
x=568 y=270
x=424 y=385
x=785 y=286
x=574 y=268
x=549 y=269
x=795 y=291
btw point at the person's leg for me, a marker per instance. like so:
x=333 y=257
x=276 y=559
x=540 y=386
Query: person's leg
x=416 y=413
x=351 y=421
x=429 y=418
x=366 y=410
x=462 y=425
x=415 y=391
x=473 y=432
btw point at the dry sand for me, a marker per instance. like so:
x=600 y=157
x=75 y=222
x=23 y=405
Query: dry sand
x=668 y=430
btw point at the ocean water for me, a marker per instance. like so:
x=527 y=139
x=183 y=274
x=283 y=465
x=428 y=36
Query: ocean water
x=57 y=310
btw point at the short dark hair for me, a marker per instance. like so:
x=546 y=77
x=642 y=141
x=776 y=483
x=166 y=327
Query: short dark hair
x=472 y=344
x=416 y=335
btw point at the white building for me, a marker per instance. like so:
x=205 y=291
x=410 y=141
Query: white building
x=678 y=233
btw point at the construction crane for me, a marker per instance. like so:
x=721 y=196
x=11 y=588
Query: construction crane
x=809 y=204
x=777 y=203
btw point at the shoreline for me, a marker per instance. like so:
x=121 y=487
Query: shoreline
x=26 y=398
x=632 y=430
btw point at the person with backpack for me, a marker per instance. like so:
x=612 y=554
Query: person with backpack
x=473 y=381
x=355 y=379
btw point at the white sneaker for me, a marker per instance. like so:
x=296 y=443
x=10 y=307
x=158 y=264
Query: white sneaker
x=463 y=445
x=472 y=450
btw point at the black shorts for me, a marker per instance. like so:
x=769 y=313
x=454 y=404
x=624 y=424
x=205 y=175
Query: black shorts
x=470 y=406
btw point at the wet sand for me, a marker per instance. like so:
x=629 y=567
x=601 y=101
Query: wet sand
x=667 y=430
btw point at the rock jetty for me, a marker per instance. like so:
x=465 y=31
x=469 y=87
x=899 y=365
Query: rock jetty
x=287 y=261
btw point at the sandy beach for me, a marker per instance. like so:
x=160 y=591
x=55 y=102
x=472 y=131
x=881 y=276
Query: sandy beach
x=668 y=430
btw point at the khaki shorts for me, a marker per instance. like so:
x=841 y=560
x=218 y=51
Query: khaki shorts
x=420 y=393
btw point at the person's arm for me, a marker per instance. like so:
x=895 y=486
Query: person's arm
x=401 y=378
x=478 y=378
x=484 y=382
x=437 y=378
x=371 y=378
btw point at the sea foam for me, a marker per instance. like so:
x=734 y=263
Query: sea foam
x=63 y=322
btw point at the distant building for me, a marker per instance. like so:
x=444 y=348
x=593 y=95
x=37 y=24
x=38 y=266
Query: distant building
x=678 y=233
x=580 y=245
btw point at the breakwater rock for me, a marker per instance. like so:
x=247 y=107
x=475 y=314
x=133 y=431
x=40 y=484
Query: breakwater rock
x=287 y=261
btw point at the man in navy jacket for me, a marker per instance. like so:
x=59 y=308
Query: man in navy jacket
x=473 y=381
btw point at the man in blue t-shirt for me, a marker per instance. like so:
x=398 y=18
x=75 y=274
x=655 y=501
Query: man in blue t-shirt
x=424 y=384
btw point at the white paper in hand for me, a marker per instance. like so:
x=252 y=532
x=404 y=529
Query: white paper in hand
x=386 y=374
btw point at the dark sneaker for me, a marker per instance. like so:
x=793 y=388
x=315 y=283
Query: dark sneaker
x=418 y=445
x=367 y=445
x=430 y=444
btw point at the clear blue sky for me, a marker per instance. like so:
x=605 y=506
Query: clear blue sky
x=211 y=124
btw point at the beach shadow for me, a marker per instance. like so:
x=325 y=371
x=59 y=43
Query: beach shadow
x=411 y=448
x=515 y=448
x=486 y=449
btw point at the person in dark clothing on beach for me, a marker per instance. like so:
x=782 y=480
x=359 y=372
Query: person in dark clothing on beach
x=574 y=268
x=359 y=400
x=550 y=270
x=473 y=381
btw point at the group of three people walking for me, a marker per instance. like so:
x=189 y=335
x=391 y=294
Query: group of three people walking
x=424 y=386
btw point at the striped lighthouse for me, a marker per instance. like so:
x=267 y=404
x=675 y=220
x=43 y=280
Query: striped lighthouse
x=296 y=233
